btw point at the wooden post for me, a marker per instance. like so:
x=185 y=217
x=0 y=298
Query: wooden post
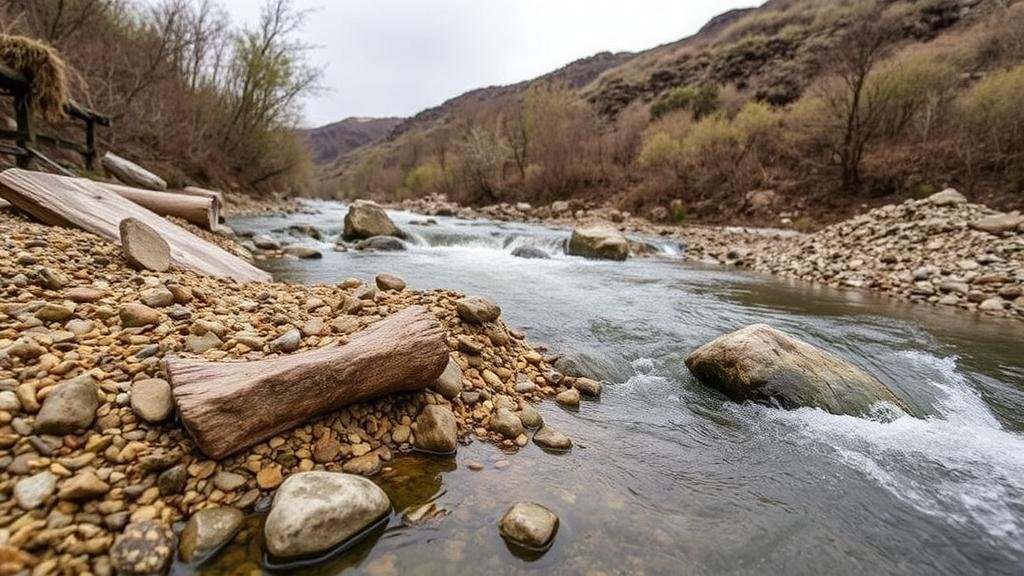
x=90 y=145
x=26 y=133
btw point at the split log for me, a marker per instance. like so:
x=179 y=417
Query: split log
x=84 y=204
x=229 y=406
x=203 y=212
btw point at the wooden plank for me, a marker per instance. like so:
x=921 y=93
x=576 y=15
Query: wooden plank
x=81 y=203
x=229 y=406
x=200 y=211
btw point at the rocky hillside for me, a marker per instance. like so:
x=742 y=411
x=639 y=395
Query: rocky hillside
x=327 y=143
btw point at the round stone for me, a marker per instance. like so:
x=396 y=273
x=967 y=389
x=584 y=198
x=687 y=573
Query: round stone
x=151 y=400
x=143 y=549
x=436 y=430
x=529 y=525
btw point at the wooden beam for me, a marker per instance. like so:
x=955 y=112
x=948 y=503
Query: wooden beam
x=230 y=406
x=82 y=203
x=203 y=212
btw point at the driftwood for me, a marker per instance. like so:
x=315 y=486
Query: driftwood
x=81 y=203
x=198 y=210
x=229 y=406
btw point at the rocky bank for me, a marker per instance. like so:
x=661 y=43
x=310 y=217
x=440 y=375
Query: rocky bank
x=94 y=468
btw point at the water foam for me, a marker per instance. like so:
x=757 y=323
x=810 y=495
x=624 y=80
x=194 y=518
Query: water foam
x=961 y=465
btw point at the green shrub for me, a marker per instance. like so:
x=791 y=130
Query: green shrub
x=701 y=101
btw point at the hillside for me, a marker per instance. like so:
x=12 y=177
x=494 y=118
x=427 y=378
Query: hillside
x=751 y=119
x=327 y=143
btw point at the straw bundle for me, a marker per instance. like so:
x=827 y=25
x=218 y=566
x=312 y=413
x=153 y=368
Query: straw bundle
x=45 y=70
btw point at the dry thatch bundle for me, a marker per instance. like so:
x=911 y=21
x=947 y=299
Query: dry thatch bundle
x=45 y=70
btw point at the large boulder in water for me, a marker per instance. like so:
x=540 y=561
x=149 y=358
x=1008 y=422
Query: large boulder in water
x=762 y=364
x=315 y=511
x=367 y=219
x=598 y=241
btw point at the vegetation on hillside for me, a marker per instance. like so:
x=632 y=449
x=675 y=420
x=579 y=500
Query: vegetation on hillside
x=828 y=104
x=190 y=95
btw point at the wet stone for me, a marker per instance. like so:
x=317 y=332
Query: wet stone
x=529 y=525
x=208 y=530
x=143 y=549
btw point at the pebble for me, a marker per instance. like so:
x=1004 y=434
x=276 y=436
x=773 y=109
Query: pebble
x=269 y=478
x=143 y=549
x=506 y=423
x=172 y=481
x=228 y=481
x=287 y=342
x=136 y=315
x=389 y=282
x=151 y=399
x=31 y=492
x=570 y=397
x=478 y=309
x=84 y=486
x=529 y=416
x=449 y=384
x=548 y=437
x=436 y=430
x=207 y=531
x=69 y=407
x=588 y=387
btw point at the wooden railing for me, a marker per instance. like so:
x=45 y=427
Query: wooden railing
x=24 y=139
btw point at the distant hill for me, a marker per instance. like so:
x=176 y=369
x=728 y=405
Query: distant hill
x=327 y=143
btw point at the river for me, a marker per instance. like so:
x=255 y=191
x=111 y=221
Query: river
x=669 y=477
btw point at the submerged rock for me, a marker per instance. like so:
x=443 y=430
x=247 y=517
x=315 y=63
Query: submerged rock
x=762 y=364
x=529 y=525
x=548 y=437
x=382 y=244
x=598 y=241
x=316 y=511
x=366 y=219
x=303 y=252
x=530 y=253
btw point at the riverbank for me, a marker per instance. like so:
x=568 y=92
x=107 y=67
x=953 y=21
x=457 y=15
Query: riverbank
x=941 y=250
x=75 y=312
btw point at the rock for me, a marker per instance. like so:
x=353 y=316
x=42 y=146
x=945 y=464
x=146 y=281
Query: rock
x=84 y=486
x=449 y=384
x=143 y=247
x=588 y=387
x=9 y=401
x=529 y=416
x=390 y=282
x=303 y=252
x=269 y=477
x=506 y=423
x=31 y=492
x=948 y=197
x=598 y=241
x=436 y=430
x=287 y=342
x=365 y=465
x=207 y=531
x=83 y=294
x=158 y=297
x=382 y=244
x=570 y=398
x=313 y=327
x=995 y=304
x=367 y=219
x=529 y=525
x=69 y=407
x=478 y=309
x=999 y=223
x=136 y=315
x=530 y=253
x=266 y=242
x=53 y=313
x=524 y=385
x=762 y=364
x=199 y=343
x=228 y=481
x=315 y=511
x=151 y=400
x=144 y=548
x=548 y=437
x=172 y=481
x=131 y=173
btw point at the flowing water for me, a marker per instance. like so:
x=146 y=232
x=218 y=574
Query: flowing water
x=667 y=476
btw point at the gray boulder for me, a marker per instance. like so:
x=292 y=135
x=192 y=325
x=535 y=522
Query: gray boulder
x=529 y=525
x=598 y=241
x=762 y=364
x=381 y=244
x=367 y=219
x=315 y=511
x=999 y=223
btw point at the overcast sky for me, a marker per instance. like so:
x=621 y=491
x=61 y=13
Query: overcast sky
x=397 y=57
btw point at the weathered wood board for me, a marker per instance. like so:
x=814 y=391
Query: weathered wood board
x=82 y=203
x=204 y=212
x=229 y=406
